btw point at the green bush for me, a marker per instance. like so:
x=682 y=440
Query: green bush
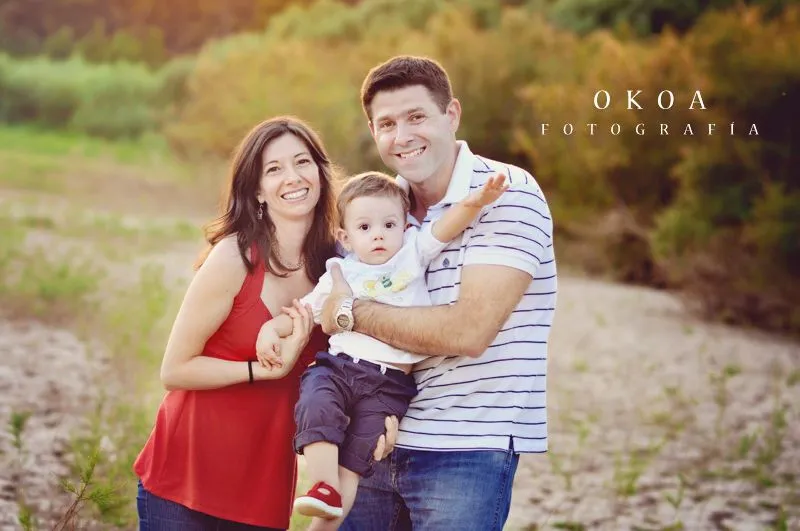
x=33 y=91
x=774 y=228
x=644 y=18
x=173 y=79
x=732 y=236
x=117 y=101
x=113 y=100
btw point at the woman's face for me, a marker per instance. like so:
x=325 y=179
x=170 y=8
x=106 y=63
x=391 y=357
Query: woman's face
x=290 y=183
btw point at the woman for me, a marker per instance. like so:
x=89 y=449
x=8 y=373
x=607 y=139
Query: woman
x=220 y=455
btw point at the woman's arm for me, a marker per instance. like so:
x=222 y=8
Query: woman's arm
x=205 y=307
x=275 y=343
x=301 y=323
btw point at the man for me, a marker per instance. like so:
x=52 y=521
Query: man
x=481 y=399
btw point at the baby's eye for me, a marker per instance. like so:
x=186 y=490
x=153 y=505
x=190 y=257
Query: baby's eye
x=390 y=224
x=363 y=226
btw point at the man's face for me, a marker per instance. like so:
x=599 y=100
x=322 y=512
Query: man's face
x=414 y=137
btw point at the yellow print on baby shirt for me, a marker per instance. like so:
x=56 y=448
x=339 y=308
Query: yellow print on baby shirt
x=387 y=284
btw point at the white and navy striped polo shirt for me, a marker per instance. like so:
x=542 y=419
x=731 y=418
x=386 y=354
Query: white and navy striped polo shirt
x=488 y=402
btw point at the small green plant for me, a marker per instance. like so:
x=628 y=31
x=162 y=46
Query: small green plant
x=675 y=500
x=569 y=526
x=16 y=428
x=628 y=469
x=100 y=484
x=674 y=417
x=26 y=517
x=560 y=469
x=87 y=490
x=746 y=443
x=600 y=319
x=773 y=440
x=134 y=322
x=581 y=365
x=564 y=463
x=10 y=249
x=782 y=521
x=719 y=383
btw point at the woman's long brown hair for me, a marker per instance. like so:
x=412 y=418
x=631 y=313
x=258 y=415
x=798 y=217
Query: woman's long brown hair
x=239 y=208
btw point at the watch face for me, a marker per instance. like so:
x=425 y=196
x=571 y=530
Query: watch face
x=343 y=321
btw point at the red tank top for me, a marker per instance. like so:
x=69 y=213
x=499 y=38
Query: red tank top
x=228 y=452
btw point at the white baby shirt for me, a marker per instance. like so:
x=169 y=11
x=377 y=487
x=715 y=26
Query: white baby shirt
x=399 y=282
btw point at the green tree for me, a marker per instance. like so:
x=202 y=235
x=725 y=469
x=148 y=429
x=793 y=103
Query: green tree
x=644 y=17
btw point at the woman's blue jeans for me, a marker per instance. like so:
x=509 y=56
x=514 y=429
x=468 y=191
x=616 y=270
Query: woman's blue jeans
x=158 y=514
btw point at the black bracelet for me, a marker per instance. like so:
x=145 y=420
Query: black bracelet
x=250 y=370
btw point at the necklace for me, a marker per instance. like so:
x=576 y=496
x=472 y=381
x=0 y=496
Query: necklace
x=289 y=266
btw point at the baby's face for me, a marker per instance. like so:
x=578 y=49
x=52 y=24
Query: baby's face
x=373 y=228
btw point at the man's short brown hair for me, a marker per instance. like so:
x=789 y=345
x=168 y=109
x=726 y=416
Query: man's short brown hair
x=404 y=71
x=370 y=184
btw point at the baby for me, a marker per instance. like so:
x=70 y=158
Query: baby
x=346 y=395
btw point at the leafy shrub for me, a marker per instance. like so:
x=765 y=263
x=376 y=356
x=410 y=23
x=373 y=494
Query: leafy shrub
x=113 y=100
x=644 y=18
x=34 y=91
x=732 y=236
x=117 y=101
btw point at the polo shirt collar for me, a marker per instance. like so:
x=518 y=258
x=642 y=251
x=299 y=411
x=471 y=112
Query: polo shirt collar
x=460 y=180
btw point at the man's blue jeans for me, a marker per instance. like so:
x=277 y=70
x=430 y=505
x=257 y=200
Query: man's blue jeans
x=435 y=491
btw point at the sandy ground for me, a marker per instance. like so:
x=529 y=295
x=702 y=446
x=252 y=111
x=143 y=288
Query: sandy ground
x=631 y=375
x=632 y=406
x=48 y=373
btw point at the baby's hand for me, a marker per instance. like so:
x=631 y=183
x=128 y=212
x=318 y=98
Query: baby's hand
x=268 y=347
x=488 y=193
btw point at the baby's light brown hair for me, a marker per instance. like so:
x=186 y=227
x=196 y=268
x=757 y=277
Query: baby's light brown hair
x=370 y=184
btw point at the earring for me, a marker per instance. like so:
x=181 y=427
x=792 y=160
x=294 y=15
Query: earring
x=260 y=214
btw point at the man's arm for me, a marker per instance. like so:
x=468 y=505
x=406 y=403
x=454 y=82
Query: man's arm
x=489 y=293
x=502 y=256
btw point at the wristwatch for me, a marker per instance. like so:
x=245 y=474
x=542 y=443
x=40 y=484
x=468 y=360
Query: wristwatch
x=344 y=315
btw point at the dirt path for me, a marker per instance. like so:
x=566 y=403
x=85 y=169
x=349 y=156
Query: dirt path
x=636 y=397
x=631 y=400
x=47 y=373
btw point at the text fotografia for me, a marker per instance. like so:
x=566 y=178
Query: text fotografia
x=665 y=101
